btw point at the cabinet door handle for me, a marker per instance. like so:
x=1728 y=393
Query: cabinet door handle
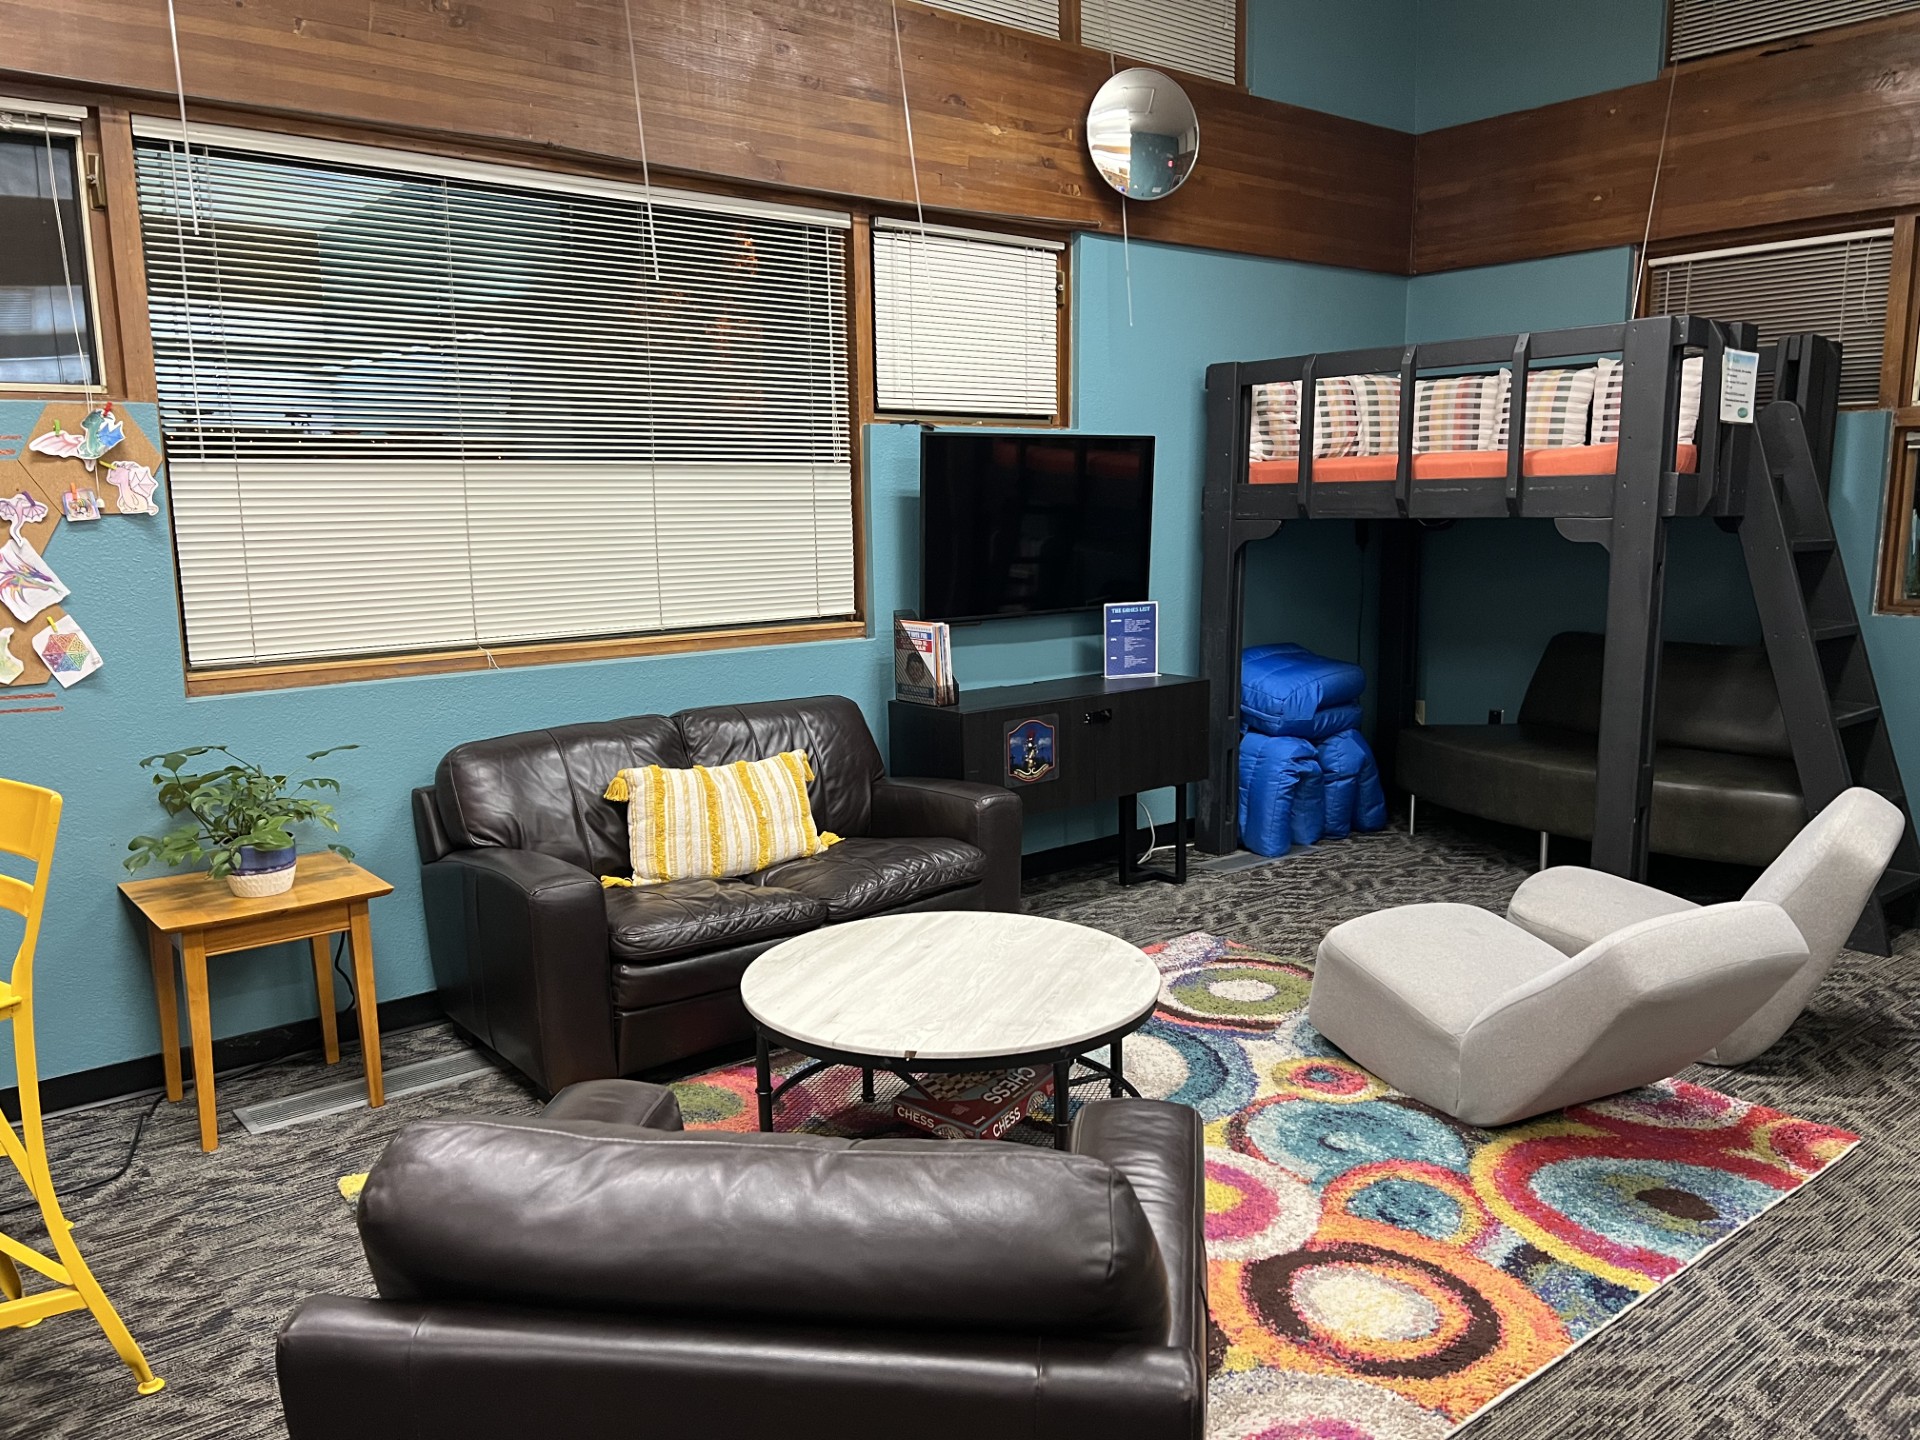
x=1097 y=717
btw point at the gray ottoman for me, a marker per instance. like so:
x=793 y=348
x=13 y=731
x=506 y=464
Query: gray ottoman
x=1455 y=1006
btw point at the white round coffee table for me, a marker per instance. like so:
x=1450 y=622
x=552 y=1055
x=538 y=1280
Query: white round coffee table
x=947 y=992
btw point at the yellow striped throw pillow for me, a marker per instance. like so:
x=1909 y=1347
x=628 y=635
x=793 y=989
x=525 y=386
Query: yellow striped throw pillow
x=716 y=822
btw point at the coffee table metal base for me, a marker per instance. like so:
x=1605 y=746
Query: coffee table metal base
x=906 y=1068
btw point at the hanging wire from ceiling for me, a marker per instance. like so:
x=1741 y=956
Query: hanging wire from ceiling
x=80 y=350
x=185 y=151
x=924 y=275
x=1653 y=194
x=653 y=300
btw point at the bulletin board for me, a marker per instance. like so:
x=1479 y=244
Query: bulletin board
x=47 y=478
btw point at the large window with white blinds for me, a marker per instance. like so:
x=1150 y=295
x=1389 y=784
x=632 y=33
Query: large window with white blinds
x=421 y=404
x=1041 y=16
x=1708 y=27
x=966 y=322
x=1198 y=36
x=1834 y=285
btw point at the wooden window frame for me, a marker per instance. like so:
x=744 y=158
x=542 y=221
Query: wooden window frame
x=1896 y=528
x=868 y=364
x=127 y=369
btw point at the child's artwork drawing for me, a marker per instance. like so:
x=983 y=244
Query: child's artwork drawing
x=98 y=433
x=65 y=650
x=10 y=664
x=21 y=509
x=81 y=503
x=136 y=485
x=27 y=584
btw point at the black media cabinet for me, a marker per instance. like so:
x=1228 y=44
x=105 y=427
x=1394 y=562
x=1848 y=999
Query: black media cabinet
x=1064 y=743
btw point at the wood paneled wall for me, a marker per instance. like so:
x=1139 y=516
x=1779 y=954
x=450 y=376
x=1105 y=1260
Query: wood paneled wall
x=799 y=94
x=1812 y=130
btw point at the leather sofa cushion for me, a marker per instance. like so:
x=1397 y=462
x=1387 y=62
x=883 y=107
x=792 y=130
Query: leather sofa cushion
x=910 y=1234
x=830 y=728
x=648 y=924
x=862 y=875
x=1708 y=805
x=1711 y=697
x=542 y=789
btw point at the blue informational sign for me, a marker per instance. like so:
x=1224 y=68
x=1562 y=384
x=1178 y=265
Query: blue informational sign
x=1133 y=640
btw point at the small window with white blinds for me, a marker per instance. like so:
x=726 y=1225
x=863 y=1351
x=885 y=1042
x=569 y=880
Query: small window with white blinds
x=1708 y=27
x=414 y=403
x=1198 y=36
x=1041 y=16
x=965 y=322
x=1833 y=285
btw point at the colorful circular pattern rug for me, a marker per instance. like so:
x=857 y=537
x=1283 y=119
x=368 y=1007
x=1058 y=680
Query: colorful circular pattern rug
x=1378 y=1270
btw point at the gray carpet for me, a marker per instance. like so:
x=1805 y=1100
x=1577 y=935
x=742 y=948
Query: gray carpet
x=1802 y=1325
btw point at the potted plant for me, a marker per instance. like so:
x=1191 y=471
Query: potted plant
x=242 y=818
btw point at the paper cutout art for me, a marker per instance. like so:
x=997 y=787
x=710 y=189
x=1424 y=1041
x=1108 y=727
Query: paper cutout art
x=98 y=433
x=136 y=485
x=80 y=503
x=27 y=584
x=65 y=650
x=22 y=509
x=10 y=664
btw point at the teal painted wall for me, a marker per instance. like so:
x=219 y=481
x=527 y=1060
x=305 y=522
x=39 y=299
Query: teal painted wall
x=1477 y=58
x=1354 y=59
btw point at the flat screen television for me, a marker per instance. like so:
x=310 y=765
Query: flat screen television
x=1032 y=524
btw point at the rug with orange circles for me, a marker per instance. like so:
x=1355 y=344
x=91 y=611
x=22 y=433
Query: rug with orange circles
x=1377 y=1270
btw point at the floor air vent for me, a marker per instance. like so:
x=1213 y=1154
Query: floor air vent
x=351 y=1094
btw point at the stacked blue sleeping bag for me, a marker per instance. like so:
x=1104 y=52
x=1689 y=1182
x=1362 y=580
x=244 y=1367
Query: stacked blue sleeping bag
x=1305 y=770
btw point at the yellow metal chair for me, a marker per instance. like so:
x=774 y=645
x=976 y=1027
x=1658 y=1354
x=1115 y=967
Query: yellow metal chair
x=29 y=820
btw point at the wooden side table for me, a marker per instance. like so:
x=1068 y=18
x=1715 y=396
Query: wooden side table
x=329 y=895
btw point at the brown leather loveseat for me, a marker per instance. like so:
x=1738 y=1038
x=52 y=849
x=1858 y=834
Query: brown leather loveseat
x=569 y=981
x=592 y=1273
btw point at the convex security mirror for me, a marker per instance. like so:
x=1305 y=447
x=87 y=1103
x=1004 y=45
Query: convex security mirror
x=1143 y=134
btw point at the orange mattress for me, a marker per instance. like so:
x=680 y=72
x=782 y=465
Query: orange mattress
x=1460 y=465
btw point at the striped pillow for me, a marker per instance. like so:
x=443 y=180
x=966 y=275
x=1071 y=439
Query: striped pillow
x=1377 y=413
x=1559 y=407
x=1458 y=412
x=1606 y=401
x=715 y=822
x=1276 y=420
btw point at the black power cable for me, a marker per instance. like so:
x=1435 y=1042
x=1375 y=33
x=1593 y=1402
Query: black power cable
x=66 y=1196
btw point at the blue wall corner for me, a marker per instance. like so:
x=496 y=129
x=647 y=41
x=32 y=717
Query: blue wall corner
x=1354 y=59
x=1477 y=58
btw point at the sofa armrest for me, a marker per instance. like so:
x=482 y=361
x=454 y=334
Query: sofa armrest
x=632 y=1104
x=519 y=942
x=1158 y=1146
x=985 y=816
x=382 y=1370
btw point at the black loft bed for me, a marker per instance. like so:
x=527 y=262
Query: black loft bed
x=1765 y=480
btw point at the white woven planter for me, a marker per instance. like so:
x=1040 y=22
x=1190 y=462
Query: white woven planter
x=261 y=883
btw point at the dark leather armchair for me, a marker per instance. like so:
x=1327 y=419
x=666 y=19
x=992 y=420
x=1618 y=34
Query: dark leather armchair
x=568 y=981
x=595 y=1274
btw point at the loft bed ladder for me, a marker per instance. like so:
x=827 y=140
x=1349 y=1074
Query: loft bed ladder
x=1768 y=484
x=1828 y=696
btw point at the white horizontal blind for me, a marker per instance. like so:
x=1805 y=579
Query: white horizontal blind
x=1707 y=27
x=965 y=323
x=418 y=410
x=1042 y=16
x=1834 y=285
x=1200 y=36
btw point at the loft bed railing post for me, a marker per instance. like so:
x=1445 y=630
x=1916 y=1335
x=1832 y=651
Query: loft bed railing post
x=1222 y=564
x=1636 y=590
x=1403 y=470
x=1398 y=659
x=1309 y=405
x=1517 y=427
x=1807 y=372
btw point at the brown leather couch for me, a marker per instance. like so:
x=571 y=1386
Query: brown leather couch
x=569 y=981
x=1724 y=783
x=594 y=1274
